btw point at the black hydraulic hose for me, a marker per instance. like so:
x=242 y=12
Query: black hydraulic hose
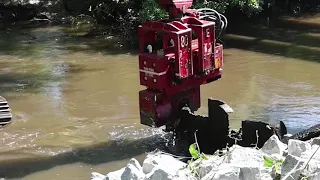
x=213 y=15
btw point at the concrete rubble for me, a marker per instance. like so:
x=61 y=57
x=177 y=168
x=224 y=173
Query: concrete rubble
x=236 y=163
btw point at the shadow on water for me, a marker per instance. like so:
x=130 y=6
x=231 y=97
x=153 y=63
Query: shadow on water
x=26 y=42
x=103 y=45
x=32 y=80
x=97 y=154
x=299 y=24
x=273 y=47
x=288 y=38
x=279 y=34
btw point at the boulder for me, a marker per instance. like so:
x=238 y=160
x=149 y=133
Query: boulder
x=266 y=176
x=274 y=146
x=313 y=152
x=312 y=170
x=235 y=163
x=294 y=166
x=115 y=175
x=315 y=177
x=135 y=163
x=297 y=147
x=161 y=166
x=97 y=176
x=239 y=163
x=133 y=171
x=164 y=174
x=164 y=162
x=291 y=167
x=184 y=174
x=205 y=166
x=158 y=173
x=242 y=156
x=249 y=173
x=315 y=141
x=225 y=172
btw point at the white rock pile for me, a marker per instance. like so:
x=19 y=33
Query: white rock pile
x=297 y=159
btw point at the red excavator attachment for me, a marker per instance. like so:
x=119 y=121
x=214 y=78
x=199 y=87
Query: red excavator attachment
x=177 y=56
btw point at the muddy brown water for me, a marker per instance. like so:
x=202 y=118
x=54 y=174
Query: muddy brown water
x=75 y=101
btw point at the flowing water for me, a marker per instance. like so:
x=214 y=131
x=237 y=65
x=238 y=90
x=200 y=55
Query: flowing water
x=75 y=101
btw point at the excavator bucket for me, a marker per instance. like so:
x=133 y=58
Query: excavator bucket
x=5 y=112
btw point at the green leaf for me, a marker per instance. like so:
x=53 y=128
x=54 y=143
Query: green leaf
x=193 y=151
x=280 y=161
x=268 y=162
x=203 y=156
x=276 y=167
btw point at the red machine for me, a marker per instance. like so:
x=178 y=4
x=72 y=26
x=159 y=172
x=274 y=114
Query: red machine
x=177 y=56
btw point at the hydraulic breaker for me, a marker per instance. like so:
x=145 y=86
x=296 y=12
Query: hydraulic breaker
x=177 y=55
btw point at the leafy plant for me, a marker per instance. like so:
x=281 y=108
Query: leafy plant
x=193 y=151
x=273 y=163
x=303 y=177
x=150 y=11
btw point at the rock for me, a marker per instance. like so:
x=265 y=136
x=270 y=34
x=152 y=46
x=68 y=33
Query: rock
x=297 y=147
x=164 y=162
x=315 y=141
x=274 y=146
x=163 y=174
x=294 y=166
x=312 y=170
x=239 y=163
x=158 y=173
x=115 y=175
x=249 y=161
x=223 y=172
x=266 y=176
x=135 y=163
x=242 y=156
x=160 y=166
x=97 y=176
x=290 y=169
x=205 y=166
x=133 y=171
x=184 y=174
x=315 y=177
x=313 y=151
x=249 y=173
x=236 y=163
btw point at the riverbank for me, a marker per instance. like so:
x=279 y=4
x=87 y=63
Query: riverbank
x=275 y=160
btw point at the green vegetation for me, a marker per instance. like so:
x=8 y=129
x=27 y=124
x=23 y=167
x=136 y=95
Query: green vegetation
x=124 y=16
x=275 y=164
